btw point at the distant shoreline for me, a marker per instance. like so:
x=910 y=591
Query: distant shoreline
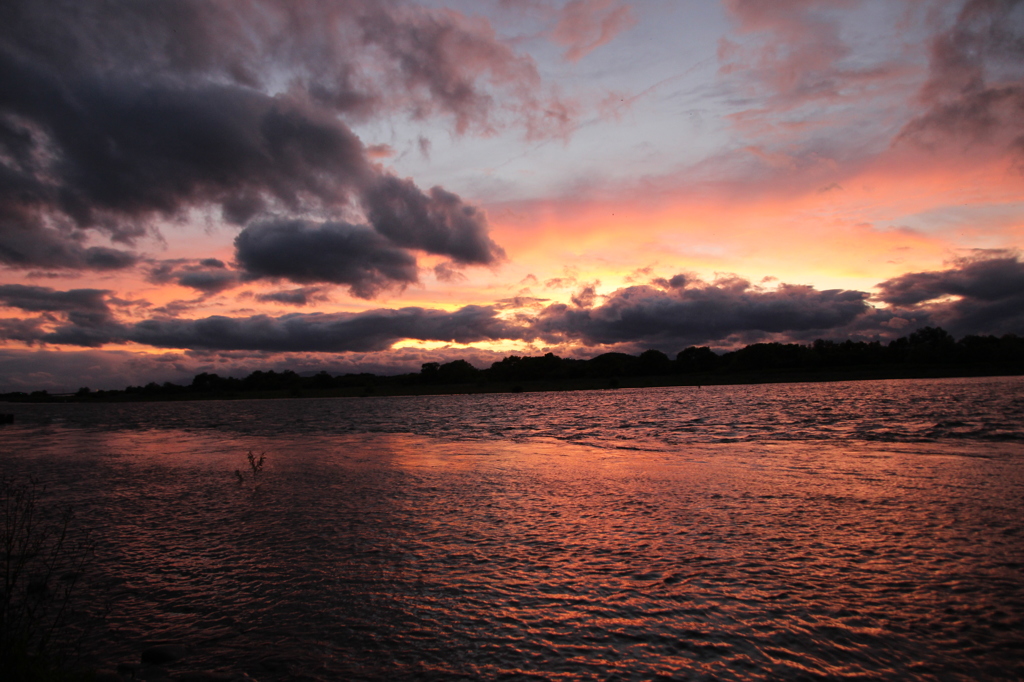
x=384 y=389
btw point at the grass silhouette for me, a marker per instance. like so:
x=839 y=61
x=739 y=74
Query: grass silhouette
x=255 y=465
x=42 y=558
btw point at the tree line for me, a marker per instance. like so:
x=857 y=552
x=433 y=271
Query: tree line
x=926 y=347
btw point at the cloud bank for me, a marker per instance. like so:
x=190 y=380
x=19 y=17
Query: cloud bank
x=979 y=295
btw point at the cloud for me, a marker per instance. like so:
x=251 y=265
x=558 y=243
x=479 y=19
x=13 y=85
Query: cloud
x=794 y=47
x=82 y=317
x=126 y=150
x=585 y=25
x=372 y=330
x=209 y=275
x=699 y=314
x=988 y=295
x=45 y=299
x=453 y=64
x=448 y=272
x=300 y=297
x=26 y=243
x=85 y=309
x=980 y=295
x=559 y=282
x=313 y=332
x=585 y=297
x=975 y=89
x=340 y=253
x=985 y=279
x=116 y=116
x=803 y=74
x=438 y=222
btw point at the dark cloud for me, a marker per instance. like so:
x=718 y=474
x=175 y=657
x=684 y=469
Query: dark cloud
x=990 y=279
x=300 y=297
x=448 y=272
x=988 y=295
x=975 y=90
x=676 y=282
x=128 y=150
x=116 y=114
x=209 y=275
x=360 y=57
x=585 y=297
x=438 y=222
x=315 y=332
x=980 y=295
x=701 y=314
x=103 y=258
x=45 y=299
x=82 y=309
x=519 y=302
x=307 y=252
x=27 y=244
x=28 y=331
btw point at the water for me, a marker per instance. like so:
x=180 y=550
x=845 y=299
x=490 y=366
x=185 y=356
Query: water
x=867 y=530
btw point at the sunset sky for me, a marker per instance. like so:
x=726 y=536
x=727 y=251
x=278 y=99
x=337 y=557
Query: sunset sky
x=368 y=185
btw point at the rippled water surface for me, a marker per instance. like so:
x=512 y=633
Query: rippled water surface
x=868 y=530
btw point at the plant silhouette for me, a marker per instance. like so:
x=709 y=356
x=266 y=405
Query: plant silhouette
x=41 y=561
x=255 y=465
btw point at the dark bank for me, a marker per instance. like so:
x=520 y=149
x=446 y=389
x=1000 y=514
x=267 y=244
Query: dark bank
x=929 y=352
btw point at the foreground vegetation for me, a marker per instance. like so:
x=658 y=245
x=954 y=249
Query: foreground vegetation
x=928 y=352
x=42 y=558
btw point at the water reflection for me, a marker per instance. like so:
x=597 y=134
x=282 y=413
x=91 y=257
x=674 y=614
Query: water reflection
x=403 y=556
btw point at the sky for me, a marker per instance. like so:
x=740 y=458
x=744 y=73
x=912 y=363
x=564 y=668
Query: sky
x=369 y=185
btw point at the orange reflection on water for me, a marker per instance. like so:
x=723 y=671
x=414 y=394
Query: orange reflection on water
x=392 y=555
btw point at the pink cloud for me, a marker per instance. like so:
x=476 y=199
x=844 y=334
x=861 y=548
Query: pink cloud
x=975 y=90
x=797 y=49
x=453 y=64
x=585 y=25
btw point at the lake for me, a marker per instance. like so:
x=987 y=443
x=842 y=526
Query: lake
x=851 y=530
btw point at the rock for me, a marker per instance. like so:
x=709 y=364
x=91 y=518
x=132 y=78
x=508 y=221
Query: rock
x=162 y=654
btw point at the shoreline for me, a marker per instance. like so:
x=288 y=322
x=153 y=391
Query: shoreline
x=385 y=389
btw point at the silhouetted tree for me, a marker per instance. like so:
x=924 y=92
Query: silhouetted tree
x=611 y=365
x=931 y=345
x=653 y=363
x=696 y=359
x=321 y=380
x=457 y=372
x=429 y=372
